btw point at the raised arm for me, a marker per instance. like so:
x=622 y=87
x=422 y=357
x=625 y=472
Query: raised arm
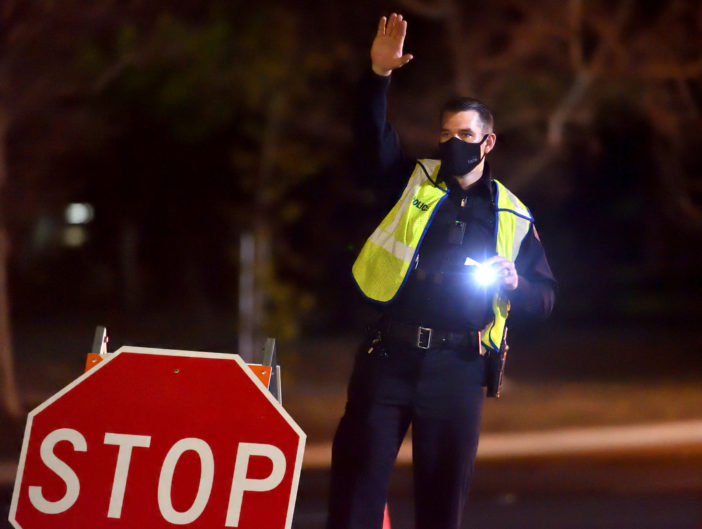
x=379 y=154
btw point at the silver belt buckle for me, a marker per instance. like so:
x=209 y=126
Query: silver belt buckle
x=424 y=337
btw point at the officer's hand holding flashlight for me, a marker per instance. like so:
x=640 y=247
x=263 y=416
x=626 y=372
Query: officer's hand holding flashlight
x=495 y=272
x=505 y=271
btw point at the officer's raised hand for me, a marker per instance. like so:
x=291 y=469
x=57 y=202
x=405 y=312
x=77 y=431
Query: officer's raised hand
x=386 y=52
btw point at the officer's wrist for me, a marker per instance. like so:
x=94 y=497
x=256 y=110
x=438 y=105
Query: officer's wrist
x=377 y=70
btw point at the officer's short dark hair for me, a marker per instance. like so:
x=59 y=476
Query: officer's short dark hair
x=461 y=104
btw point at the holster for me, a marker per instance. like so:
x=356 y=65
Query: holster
x=495 y=368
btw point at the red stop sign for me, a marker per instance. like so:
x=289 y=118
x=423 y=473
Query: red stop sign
x=159 y=438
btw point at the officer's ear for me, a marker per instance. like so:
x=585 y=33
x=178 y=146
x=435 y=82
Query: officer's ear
x=490 y=142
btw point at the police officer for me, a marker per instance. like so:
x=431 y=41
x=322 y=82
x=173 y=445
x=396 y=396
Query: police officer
x=425 y=266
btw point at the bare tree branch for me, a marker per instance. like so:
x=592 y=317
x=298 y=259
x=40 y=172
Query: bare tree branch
x=558 y=118
x=585 y=75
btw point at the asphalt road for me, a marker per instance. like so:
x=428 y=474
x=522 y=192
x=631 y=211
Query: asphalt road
x=507 y=501
x=548 y=512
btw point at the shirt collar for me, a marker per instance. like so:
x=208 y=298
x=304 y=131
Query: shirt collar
x=482 y=187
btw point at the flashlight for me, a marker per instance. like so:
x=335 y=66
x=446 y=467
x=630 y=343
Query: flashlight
x=484 y=274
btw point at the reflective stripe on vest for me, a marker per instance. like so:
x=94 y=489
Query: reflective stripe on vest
x=513 y=221
x=384 y=262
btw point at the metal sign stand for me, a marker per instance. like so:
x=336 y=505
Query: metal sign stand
x=270 y=359
x=267 y=371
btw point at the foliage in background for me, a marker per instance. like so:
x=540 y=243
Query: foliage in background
x=186 y=123
x=198 y=123
x=598 y=121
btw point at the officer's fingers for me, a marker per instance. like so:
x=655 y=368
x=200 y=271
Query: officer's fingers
x=514 y=281
x=508 y=277
x=381 y=26
x=390 y=27
x=502 y=262
x=496 y=260
x=505 y=269
x=401 y=28
x=398 y=29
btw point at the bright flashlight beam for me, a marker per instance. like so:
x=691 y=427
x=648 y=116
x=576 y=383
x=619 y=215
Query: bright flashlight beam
x=485 y=275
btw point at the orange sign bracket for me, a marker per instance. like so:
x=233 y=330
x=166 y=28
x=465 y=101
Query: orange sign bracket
x=267 y=372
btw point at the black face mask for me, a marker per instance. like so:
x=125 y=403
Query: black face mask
x=459 y=157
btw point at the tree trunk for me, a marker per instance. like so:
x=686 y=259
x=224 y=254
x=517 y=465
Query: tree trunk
x=8 y=387
x=247 y=295
x=264 y=273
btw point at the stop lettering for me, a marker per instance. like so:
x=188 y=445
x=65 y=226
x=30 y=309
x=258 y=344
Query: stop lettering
x=156 y=438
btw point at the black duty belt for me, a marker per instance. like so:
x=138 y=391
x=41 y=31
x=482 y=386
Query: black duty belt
x=431 y=338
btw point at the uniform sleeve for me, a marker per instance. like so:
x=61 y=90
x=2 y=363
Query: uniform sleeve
x=536 y=292
x=379 y=156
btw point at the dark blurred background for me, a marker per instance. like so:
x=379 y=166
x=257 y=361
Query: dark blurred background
x=183 y=172
x=141 y=140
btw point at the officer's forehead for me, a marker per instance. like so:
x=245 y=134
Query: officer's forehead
x=464 y=119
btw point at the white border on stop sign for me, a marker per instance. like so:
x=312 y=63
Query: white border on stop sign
x=165 y=352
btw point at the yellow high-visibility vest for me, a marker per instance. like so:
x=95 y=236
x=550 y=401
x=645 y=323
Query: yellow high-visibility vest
x=384 y=263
